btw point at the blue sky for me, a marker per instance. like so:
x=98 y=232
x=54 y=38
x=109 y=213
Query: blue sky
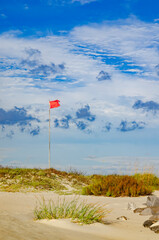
x=100 y=58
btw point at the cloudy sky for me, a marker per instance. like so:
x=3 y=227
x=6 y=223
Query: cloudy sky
x=100 y=58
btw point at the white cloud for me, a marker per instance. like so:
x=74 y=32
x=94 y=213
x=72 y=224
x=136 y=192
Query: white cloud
x=125 y=164
x=134 y=42
x=84 y=1
x=2 y=15
x=156 y=20
x=129 y=38
x=64 y=2
x=26 y=7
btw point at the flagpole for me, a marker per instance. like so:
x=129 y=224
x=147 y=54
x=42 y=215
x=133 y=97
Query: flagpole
x=52 y=104
x=49 y=137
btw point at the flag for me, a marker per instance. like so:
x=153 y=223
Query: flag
x=54 y=104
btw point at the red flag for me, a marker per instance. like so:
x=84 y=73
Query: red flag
x=54 y=104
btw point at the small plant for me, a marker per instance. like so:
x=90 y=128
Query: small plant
x=80 y=212
x=74 y=171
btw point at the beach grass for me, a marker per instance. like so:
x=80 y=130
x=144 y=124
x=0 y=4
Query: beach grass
x=77 y=211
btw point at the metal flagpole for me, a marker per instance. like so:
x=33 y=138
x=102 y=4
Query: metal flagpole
x=49 y=134
x=52 y=104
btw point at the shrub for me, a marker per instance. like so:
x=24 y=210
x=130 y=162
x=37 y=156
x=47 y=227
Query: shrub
x=148 y=179
x=116 y=185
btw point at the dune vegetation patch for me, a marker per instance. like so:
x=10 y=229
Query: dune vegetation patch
x=21 y=179
x=75 y=182
x=116 y=185
x=148 y=179
x=77 y=211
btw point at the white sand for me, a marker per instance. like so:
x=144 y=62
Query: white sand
x=16 y=220
x=130 y=229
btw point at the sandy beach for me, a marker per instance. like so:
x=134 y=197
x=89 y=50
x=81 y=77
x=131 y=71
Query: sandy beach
x=16 y=220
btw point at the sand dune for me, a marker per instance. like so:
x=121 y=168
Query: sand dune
x=16 y=220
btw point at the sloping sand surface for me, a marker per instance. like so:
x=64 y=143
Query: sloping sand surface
x=16 y=220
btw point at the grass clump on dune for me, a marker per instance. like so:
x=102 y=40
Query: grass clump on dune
x=80 y=212
x=116 y=185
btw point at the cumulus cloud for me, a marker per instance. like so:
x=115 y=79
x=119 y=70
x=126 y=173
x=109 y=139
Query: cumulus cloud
x=14 y=116
x=147 y=106
x=108 y=127
x=47 y=70
x=35 y=131
x=81 y=125
x=103 y=76
x=32 y=63
x=130 y=126
x=63 y=123
x=20 y=119
x=85 y=114
x=33 y=52
x=81 y=119
x=29 y=63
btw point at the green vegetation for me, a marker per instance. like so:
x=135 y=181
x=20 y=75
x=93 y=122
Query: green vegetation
x=73 y=181
x=19 y=179
x=116 y=185
x=77 y=211
x=148 y=179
